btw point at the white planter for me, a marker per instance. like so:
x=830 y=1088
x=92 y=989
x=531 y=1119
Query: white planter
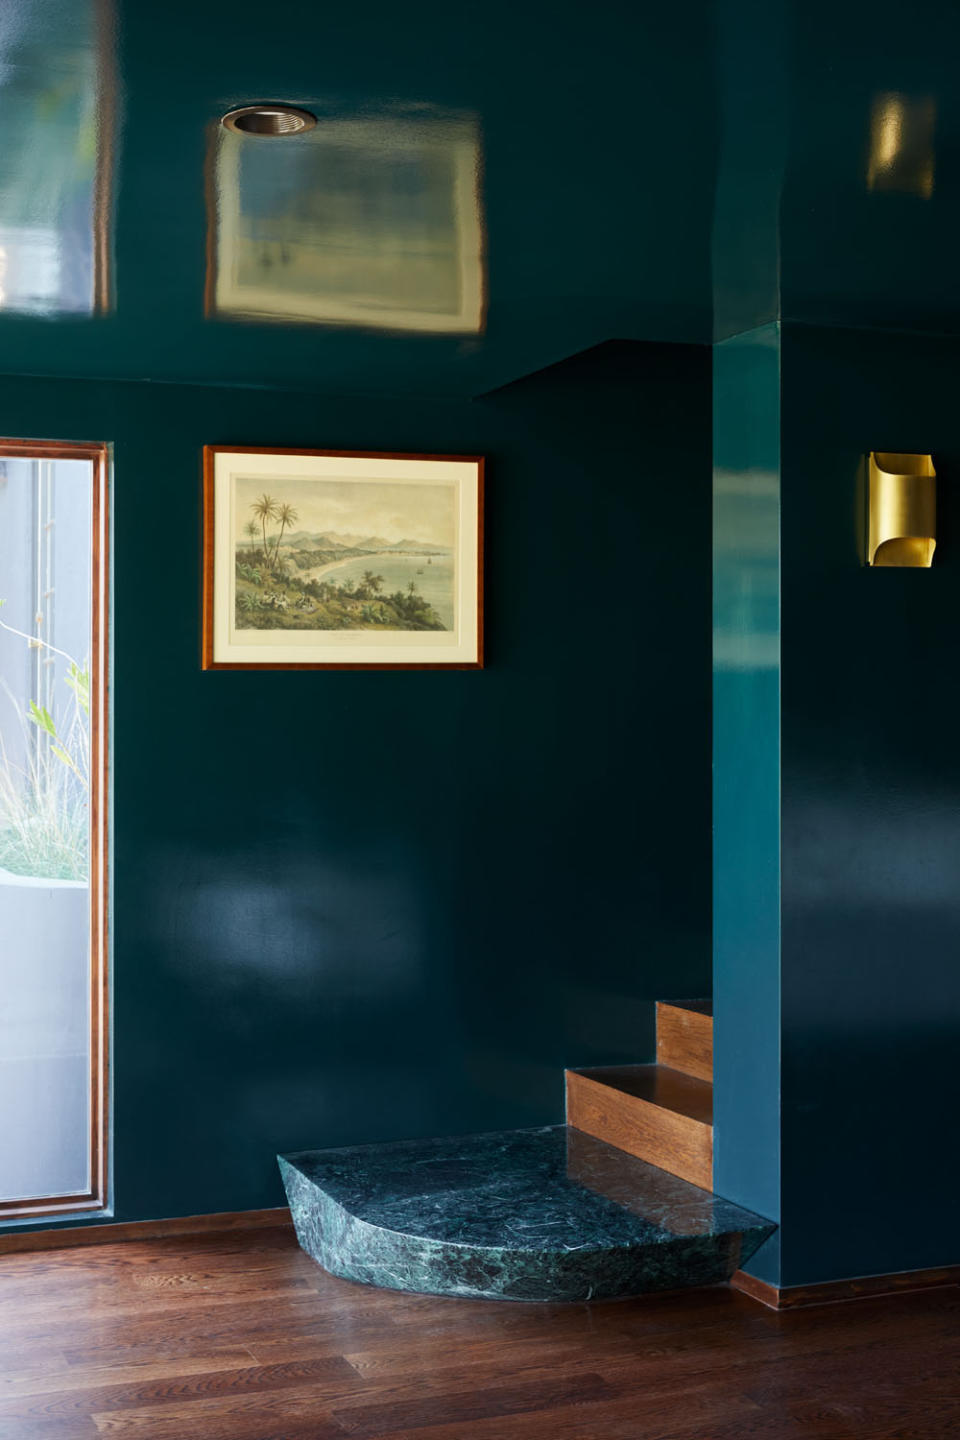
x=44 y=1035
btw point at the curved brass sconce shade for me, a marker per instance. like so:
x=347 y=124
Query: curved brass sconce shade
x=903 y=510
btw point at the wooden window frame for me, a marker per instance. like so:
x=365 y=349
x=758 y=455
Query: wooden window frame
x=95 y=1197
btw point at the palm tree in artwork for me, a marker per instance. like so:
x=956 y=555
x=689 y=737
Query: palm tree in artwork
x=287 y=516
x=251 y=532
x=265 y=508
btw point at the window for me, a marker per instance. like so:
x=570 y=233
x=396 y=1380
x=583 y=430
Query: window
x=53 y=732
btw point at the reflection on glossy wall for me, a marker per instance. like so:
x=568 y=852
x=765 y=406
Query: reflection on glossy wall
x=372 y=222
x=902 y=145
x=53 y=157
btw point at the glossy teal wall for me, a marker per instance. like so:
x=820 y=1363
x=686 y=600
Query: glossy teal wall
x=837 y=832
x=871 y=821
x=351 y=907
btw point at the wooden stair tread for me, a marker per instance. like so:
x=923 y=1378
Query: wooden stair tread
x=696 y=1007
x=659 y=1085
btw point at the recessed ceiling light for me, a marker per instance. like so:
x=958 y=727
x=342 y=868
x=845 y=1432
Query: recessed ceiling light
x=269 y=120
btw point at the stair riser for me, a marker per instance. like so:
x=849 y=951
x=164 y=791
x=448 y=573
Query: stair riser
x=685 y=1041
x=663 y=1138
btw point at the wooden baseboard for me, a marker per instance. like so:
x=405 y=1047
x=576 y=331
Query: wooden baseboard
x=866 y=1287
x=755 y=1289
x=230 y=1220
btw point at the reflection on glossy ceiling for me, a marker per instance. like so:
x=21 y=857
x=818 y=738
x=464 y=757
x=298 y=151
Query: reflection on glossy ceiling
x=624 y=188
x=484 y=193
x=368 y=221
x=57 y=122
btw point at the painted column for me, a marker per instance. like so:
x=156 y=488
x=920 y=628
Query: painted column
x=746 y=769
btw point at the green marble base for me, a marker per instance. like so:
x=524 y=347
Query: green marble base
x=548 y=1214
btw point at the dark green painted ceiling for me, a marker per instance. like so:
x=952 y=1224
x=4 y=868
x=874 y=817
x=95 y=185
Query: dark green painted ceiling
x=491 y=187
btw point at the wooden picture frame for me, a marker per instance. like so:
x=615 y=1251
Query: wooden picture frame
x=341 y=560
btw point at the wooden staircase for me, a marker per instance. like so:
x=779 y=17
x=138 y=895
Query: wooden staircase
x=661 y=1113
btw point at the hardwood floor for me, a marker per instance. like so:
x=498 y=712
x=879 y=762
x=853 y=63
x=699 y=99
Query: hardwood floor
x=242 y=1337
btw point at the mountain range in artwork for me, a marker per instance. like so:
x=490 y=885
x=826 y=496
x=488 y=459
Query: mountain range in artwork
x=359 y=544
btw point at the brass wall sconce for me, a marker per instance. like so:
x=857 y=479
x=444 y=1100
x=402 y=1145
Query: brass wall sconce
x=902 y=527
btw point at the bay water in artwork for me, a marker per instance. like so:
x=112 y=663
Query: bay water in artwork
x=322 y=555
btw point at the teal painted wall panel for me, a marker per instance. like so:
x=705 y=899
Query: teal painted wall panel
x=746 y=766
x=355 y=907
x=871 y=820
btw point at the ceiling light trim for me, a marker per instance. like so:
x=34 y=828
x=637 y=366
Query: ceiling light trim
x=269 y=120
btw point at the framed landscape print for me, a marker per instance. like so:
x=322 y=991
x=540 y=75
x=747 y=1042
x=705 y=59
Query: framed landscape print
x=324 y=559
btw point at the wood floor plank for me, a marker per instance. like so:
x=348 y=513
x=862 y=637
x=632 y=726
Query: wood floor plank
x=311 y=1341
x=82 y=1429
x=131 y=1300
x=331 y=1376
x=678 y=1354
x=255 y=1423
x=389 y=1414
x=751 y=1426
x=51 y=1379
x=236 y=1415
x=899 y=1369
x=634 y=1417
x=894 y=1420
